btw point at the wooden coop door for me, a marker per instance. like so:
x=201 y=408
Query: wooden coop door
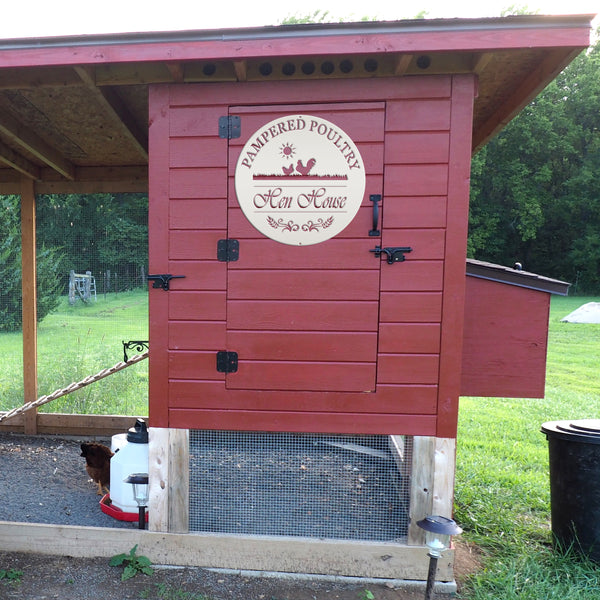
x=305 y=317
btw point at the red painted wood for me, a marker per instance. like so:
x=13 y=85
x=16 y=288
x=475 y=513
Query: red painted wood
x=305 y=258
x=193 y=152
x=417 y=180
x=505 y=340
x=426 y=244
x=403 y=338
x=418 y=147
x=303 y=285
x=194 y=244
x=207 y=275
x=411 y=307
x=188 y=121
x=415 y=212
x=193 y=183
x=305 y=316
x=197 y=364
x=418 y=115
x=199 y=306
x=209 y=395
x=463 y=94
x=308 y=376
x=407 y=368
x=317 y=422
x=158 y=252
x=412 y=275
x=413 y=41
x=197 y=335
x=198 y=214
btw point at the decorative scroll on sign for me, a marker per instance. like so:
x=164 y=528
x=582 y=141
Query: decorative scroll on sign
x=300 y=180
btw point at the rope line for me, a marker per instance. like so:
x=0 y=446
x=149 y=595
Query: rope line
x=73 y=387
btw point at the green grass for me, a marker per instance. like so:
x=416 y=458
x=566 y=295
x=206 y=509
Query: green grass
x=81 y=340
x=502 y=494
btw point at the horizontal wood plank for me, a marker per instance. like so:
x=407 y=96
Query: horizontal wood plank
x=198 y=183
x=195 y=121
x=194 y=365
x=411 y=307
x=191 y=152
x=239 y=552
x=298 y=422
x=303 y=285
x=197 y=335
x=417 y=147
x=424 y=114
x=388 y=399
x=415 y=212
x=403 y=338
x=416 y=180
x=412 y=275
x=198 y=214
x=408 y=368
x=198 y=275
x=196 y=244
x=426 y=244
x=301 y=345
x=309 y=376
x=331 y=254
x=302 y=316
x=196 y=306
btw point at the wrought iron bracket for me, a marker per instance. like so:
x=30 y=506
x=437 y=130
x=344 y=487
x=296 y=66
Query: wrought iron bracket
x=137 y=345
x=162 y=281
x=394 y=254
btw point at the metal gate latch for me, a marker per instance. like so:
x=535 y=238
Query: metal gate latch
x=162 y=281
x=394 y=254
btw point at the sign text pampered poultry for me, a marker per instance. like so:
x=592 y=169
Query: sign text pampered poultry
x=300 y=179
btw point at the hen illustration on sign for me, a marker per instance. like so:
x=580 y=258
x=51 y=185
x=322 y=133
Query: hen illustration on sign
x=300 y=180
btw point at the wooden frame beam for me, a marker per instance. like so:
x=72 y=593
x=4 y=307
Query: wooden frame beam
x=31 y=142
x=115 y=108
x=29 y=296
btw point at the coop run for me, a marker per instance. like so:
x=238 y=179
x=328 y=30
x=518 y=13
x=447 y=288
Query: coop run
x=319 y=486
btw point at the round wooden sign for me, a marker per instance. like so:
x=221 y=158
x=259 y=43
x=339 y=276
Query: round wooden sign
x=300 y=180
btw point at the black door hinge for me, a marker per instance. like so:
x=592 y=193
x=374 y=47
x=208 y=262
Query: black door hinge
x=230 y=127
x=227 y=362
x=228 y=250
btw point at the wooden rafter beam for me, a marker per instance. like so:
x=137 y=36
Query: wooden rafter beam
x=11 y=158
x=116 y=109
x=30 y=141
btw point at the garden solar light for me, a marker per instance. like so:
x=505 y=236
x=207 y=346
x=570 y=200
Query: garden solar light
x=438 y=531
x=139 y=483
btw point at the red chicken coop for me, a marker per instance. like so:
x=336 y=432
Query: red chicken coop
x=308 y=212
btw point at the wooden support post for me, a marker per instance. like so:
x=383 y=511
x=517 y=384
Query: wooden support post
x=168 y=506
x=432 y=482
x=29 y=295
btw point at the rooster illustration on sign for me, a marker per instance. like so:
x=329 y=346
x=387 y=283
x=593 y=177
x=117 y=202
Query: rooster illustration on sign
x=301 y=168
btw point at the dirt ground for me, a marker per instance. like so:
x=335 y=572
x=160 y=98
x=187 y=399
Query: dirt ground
x=67 y=578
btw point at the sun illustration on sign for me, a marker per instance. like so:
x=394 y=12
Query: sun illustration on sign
x=287 y=150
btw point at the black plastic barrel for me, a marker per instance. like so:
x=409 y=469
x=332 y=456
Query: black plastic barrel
x=574 y=451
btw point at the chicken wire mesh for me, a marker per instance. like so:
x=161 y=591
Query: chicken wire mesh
x=309 y=485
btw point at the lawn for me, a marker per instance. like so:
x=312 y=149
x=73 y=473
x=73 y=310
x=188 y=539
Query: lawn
x=502 y=494
x=81 y=340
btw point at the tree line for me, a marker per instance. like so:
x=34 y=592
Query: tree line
x=535 y=188
x=97 y=232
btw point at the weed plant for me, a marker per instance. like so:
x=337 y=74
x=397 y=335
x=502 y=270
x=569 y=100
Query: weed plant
x=502 y=492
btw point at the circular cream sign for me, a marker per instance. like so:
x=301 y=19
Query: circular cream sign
x=300 y=180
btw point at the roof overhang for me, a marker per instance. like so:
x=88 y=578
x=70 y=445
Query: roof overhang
x=74 y=110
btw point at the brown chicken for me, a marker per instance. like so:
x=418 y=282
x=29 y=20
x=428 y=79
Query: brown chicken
x=97 y=459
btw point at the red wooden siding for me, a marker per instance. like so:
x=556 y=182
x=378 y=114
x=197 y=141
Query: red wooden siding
x=505 y=342
x=329 y=338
